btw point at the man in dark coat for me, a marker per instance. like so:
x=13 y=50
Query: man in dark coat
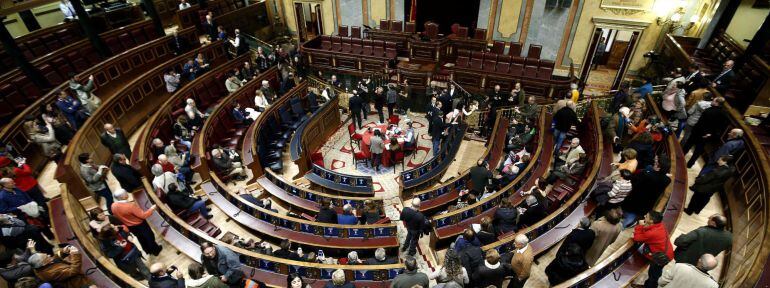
x=694 y=79
x=471 y=257
x=646 y=188
x=161 y=277
x=562 y=121
x=414 y=221
x=582 y=235
x=732 y=146
x=709 y=128
x=114 y=139
x=437 y=127
x=480 y=176
x=722 y=81
x=326 y=214
x=178 y=44
x=534 y=211
x=355 y=104
x=711 y=239
x=379 y=103
x=210 y=28
x=128 y=177
x=708 y=184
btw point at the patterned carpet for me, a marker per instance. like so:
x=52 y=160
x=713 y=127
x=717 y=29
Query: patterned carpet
x=338 y=153
x=599 y=81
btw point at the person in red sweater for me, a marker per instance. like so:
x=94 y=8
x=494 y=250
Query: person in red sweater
x=25 y=180
x=652 y=233
x=130 y=214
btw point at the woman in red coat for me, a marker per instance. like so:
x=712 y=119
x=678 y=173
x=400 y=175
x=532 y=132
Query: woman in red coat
x=652 y=233
x=24 y=177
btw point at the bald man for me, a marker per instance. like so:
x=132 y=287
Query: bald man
x=721 y=82
x=687 y=275
x=161 y=276
x=414 y=221
x=114 y=139
x=710 y=239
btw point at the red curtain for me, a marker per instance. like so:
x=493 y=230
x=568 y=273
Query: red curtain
x=413 y=11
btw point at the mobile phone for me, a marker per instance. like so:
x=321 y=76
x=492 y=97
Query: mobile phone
x=320 y=253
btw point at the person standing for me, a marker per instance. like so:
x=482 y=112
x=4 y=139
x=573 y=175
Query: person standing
x=128 y=177
x=480 y=177
x=379 y=103
x=707 y=184
x=223 y=262
x=582 y=235
x=436 y=129
x=491 y=272
x=722 y=81
x=392 y=97
x=732 y=146
x=114 y=139
x=376 y=147
x=607 y=229
x=710 y=239
x=131 y=215
x=414 y=221
x=688 y=275
x=95 y=178
x=659 y=250
x=521 y=261
x=241 y=47
x=355 y=104
x=646 y=187
x=70 y=108
x=563 y=120
x=88 y=100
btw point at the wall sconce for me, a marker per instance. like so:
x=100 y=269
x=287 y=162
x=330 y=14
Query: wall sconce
x=673 y=19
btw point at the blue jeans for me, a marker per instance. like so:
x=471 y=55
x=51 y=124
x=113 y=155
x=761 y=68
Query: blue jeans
x=558 y=139
x=199 y=206
x=436 y=146
x=628 y=218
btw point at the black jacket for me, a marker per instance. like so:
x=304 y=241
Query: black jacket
x=706 y=239
x=471 y=257
x=127 y=176
x=505 y=219
x=117 y=144
x=724 y=82
x=486 y=237
x=712 y=121
x=712 y=181
x=582 y=237
x=413 y=219
x=532 y=215
x=480 y=176
x=179 y=200
x=179 y=45
x=437 y=127
x=564 y=119
x=210 y=29
x=326 y=215
x=485 y=276
x=355 y=104
x=646 y=188
x=694 y=82
x=564 y=267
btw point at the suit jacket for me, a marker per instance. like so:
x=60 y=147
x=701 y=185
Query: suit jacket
x=117 y=144
x=694 y=82
x=686 y=275
x=532 y=215
x=326 y=215
x=606 y=233
x=179 y=45
x=437 y=127
x=67 y=274
x=413 y=219
x=494 y=275
x=713 y=181
x=521 y=263
x=646 y=188
x=723 y=83
x=210 y=29
x=355 y=104
x=712 y=121
x=582 y=237
x=127 y=176
x=93 y=177
x=706 y=239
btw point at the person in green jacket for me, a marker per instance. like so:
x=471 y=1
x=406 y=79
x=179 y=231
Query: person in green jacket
x=199 y=278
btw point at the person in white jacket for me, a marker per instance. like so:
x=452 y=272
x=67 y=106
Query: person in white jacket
x=687 y=275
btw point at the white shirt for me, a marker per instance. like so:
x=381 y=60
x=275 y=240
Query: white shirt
x=260 y=101
x=164 y=180
x=184 y=5
x=192 y=111
x=236 y=42
x=67 y=9
x=521 y=251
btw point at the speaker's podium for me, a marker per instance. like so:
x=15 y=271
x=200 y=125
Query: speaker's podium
x=418 y=74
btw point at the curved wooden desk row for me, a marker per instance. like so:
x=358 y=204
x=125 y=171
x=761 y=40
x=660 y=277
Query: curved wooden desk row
x=195 y=16
x=70 y=227
x=329 y=180
x=305 y=200
x=41 y=42
x=627 y=263
x=427 y=173
x=553 y=228
x=478 y=80
x=109 y=77
x=313 y=133
x=746 y=196
x=369 y=58
x=315 y=234
x=130 y=107
x=16 y=89
x=207 y=90
x=446 y=226
x=269 y=269
x=437 y=199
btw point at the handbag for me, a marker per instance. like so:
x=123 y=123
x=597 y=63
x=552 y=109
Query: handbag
x=659 y=258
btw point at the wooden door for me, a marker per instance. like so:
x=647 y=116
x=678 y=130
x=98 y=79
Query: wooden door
x=588 y=61
x=626 y=60
x=617 y=51
x=299 y=15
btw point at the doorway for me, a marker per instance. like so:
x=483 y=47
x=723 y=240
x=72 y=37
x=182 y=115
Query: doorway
x=308 y=18
x=611 y=51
